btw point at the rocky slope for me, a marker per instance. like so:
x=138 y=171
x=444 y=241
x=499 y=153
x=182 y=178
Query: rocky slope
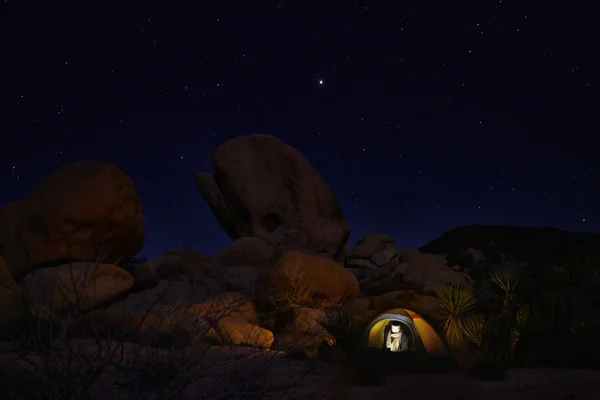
x=535 y=246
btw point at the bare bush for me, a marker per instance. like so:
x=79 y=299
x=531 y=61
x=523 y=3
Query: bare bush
x=296 y=290
x=158 y=350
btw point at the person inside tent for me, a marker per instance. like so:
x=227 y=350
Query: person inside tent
x=396 y=339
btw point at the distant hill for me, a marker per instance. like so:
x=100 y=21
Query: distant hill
x=536 y=246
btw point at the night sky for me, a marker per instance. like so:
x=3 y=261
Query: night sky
x=421 y=115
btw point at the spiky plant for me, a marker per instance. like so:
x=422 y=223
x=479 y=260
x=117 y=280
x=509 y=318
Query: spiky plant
x=456 y=302
x=526 y=327
x=474 y=329
x=505 y=281
x=345 y=327
x=527 y=319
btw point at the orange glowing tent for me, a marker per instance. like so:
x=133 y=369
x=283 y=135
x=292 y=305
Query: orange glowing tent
x=422 y=338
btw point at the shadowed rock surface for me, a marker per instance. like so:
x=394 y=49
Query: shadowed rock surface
x=264 y=188
x=85 y=211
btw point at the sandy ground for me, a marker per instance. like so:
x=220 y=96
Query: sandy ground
x=225 y=373
x=525 y=384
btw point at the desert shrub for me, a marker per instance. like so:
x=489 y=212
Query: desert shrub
x=76 y=357
x=296 y=291
x=508 y=284
x=474 y=329
x=487 y=336
x=456 y=303
x=525 y=335
x=293 y=290
x=345 y=327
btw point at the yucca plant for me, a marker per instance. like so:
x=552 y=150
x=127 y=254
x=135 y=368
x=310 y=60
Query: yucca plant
x=456 y=302
x=483 y=331
x=505 y=281
x=345 y=327
x=474 y=329
x=526 y=328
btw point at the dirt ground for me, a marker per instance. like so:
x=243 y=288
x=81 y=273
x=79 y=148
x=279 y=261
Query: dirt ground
x=525 y=384
x=228 y=373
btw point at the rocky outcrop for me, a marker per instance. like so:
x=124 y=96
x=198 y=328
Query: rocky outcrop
x=429 y=273
x=371 y=253
x=376 y=248
x=299 y=277
x=370 y=307
x=534 y=246
x=55 y=292
x=423 y=273
x=177 y=314
x=264 y=188
x=83 y=212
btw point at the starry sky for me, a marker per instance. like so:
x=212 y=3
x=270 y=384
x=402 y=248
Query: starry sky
x=421 y=115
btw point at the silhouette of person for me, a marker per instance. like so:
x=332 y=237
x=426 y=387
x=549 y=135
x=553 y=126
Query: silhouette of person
x=396 y=340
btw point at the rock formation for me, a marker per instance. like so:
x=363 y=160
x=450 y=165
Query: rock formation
x=535 y=246
x=374 y=251
x=53 y=293
x=264 y=188
x=85 y=211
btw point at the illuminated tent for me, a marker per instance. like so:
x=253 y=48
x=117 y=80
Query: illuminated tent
x=422 y=338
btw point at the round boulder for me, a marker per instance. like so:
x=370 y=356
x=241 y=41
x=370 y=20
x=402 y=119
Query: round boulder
x=85 y=211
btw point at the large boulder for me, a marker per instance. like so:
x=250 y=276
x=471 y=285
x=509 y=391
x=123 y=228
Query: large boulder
x=174 y=312
x=55 y=292
x=85 y=211
x=234 y=332
x=376 y=248
x=301 y=279
x=427 y=306
x=374 y=251
x=169 y=292
x=429 y=273
x=424 y=273
x=264 y=188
